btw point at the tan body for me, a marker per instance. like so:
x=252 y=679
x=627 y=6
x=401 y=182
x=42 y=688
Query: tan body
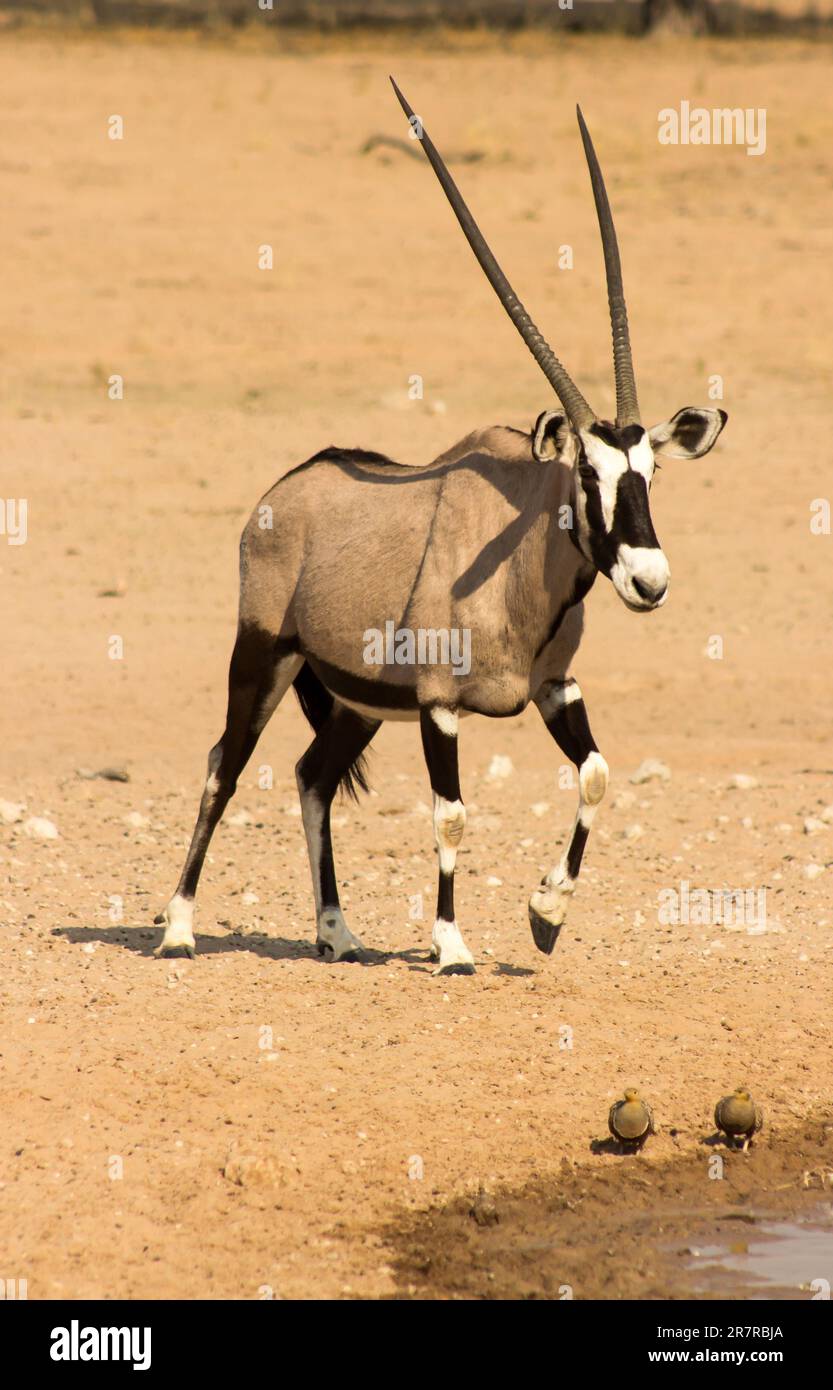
x=471 y=542
x=738 y=1117
x=631 y=1120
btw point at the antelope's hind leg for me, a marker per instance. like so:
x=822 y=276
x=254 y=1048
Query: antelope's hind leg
x=337 y=746
x=562 y=709
x=439 y=742
x=261 y=671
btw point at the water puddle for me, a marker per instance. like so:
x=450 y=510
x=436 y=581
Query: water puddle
x=634 y=1229
x=794 y=1258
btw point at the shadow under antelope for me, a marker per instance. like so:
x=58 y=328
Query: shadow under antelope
x=501 y=537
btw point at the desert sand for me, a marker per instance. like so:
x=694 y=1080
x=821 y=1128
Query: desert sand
x=257 y=1123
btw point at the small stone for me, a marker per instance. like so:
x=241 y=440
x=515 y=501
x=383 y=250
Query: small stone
x=11 y=811
x=136 y=820
x=250 y=899
x=395 y=400
x=812 y=825
x=649 y=771
x=500 y=768
x=624 y=801
x=247 y=1169
x=540 y=808
x=632 y=832
x=240 y=817
x=742 y=782
x=827 y=815
x=812 y=871
x=483 y=1210
x=40 y=828
x=493 y=882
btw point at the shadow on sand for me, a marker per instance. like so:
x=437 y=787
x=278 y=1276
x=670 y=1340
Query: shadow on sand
x=143 y=942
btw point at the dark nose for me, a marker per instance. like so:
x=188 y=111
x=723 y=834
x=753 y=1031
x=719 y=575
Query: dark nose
x=648 y=592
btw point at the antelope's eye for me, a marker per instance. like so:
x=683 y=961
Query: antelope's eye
x=587 y=471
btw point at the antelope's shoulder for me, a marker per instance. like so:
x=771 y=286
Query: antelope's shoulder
x=500 y=443
x=347 y=459
x=496 y=443
x=335 y=465
x=491 y=448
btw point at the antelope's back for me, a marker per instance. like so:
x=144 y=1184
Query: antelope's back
x=354 y=540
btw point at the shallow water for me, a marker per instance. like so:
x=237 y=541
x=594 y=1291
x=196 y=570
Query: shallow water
x=793 y=1257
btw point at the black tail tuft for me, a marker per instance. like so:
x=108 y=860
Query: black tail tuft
x=317 y=705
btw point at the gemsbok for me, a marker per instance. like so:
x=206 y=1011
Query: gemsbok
x=499 y=538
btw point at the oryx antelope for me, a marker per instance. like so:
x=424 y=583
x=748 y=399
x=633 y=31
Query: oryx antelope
x=473 y=542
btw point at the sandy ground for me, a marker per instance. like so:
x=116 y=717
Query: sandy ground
x=256 y=1121
x=636 y=1231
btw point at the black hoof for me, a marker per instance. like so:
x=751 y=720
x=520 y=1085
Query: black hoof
x=349 y=958
x=544 y=934
x=164 y=952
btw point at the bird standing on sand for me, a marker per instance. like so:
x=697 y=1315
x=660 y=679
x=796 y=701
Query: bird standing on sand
x=631 y=1121
x=738 y=1117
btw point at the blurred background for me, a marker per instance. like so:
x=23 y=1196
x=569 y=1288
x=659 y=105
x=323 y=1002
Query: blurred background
x=614 y=16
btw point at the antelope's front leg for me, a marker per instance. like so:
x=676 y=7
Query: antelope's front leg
x=564 y=714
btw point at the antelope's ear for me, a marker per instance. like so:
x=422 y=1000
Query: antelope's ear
x=689 y=434
x=552 y=438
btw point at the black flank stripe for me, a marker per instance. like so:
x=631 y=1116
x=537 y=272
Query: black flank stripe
x=361 y=689
x=582 y=586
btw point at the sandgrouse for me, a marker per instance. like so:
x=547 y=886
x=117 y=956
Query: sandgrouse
x=738 y=1117
x=631 y=1121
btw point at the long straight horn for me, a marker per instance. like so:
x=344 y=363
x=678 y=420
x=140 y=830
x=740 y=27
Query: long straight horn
x=568 y=393
x=627 y=405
